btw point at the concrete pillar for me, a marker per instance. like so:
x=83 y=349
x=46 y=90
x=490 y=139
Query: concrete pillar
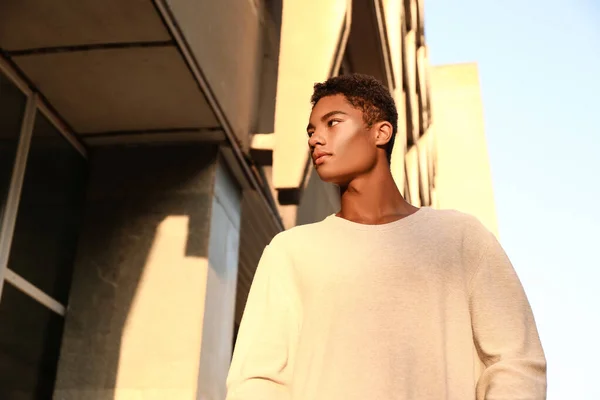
x=136 y=327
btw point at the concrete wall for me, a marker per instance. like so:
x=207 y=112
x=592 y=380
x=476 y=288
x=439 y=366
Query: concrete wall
x=463 y=176
x=134 y=328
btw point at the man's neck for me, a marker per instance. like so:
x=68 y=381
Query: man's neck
x=374 y=198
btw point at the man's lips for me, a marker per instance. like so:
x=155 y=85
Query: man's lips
x=320 y=156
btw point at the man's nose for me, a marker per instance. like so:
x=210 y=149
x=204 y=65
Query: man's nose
x=316 y=139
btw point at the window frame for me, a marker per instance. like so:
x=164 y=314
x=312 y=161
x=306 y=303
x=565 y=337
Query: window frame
x=35 y=103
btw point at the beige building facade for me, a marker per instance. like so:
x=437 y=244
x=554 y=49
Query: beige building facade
x=463 y=178
x=149 y=150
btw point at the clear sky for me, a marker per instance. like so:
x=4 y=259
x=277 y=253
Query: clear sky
x=539 y=65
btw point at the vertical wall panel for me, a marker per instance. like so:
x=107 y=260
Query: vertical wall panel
x=422 y=146
x=221 y=282
x=257 y=228
x=412 y=172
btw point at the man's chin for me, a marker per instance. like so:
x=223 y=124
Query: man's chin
x=330 y=176
x=325 y=177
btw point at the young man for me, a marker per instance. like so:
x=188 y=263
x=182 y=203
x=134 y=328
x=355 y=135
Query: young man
x=382 y=300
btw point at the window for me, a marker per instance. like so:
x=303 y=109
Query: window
x=30 y=335
x=45 y=234
x=42 y=178
x=12 y=108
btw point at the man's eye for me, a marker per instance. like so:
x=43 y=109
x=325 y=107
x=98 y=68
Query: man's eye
x=333 y=122
x=310 y=133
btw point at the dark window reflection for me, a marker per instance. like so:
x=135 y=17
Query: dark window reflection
x=12 y=107
x=30 y=336
x=48 y=218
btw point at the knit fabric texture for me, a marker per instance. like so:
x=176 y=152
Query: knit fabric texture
x=427 y=307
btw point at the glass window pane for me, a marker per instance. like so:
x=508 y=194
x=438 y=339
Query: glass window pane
x=48 y=218
x=12 y=107
x=30 y=337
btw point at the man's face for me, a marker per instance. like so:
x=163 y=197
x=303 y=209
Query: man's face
x=342 y=146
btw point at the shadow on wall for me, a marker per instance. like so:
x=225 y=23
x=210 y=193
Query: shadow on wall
x=133 y=193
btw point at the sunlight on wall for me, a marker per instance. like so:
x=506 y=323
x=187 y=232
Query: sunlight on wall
x=163 y=332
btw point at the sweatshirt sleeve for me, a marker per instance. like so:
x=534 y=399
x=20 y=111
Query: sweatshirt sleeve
x=261 y=367
x=504 y=329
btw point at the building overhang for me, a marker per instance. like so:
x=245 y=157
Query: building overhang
x=121 y=72
x=105 y=67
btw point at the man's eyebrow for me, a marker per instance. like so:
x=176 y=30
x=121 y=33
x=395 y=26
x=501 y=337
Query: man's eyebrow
x=332 y=113
x=324 y=117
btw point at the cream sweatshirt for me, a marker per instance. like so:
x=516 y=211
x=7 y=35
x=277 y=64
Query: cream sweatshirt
x=428 y=307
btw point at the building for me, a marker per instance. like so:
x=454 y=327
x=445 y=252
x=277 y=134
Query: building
x=463 y=178
x=149 y=151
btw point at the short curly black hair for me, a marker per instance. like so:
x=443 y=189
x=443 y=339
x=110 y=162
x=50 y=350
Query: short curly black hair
x=365 y=93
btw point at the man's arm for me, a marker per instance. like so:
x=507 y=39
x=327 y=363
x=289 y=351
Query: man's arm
x=261 y=367
x=504 y=329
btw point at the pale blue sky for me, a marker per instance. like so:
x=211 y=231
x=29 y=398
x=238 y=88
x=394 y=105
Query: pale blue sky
x=539 y=65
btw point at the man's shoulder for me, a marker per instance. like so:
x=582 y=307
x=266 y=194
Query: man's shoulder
x=454 y=221
x=293 y=236
x=466 y=230
x=452 y=216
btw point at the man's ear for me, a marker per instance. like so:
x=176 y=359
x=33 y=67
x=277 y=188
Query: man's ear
x=383 y=132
